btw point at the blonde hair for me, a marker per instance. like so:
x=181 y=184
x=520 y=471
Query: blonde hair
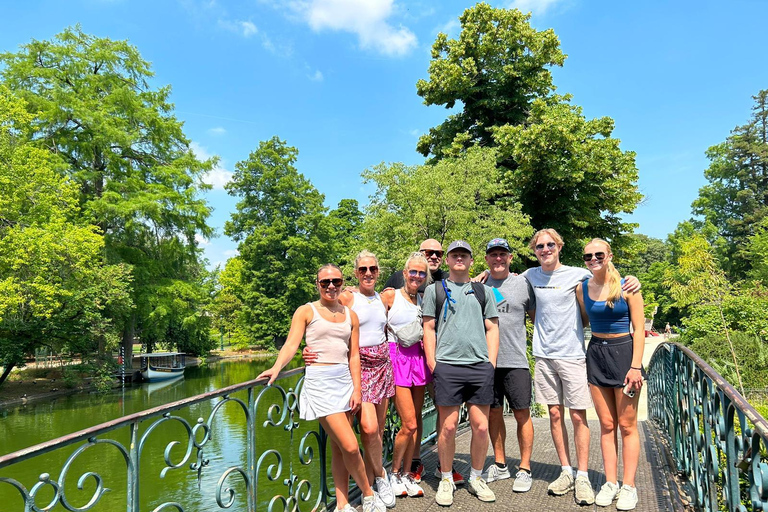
x=613 y=278
x=418 y=258
x=365 y=254
x=547 y=231
x=329 y=265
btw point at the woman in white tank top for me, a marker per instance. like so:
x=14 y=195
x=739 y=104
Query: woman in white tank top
x=331 y=390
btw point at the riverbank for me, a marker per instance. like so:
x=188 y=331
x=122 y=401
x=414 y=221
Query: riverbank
x=27 y=385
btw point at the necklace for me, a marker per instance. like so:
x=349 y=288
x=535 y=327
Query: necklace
x=332 y=312
x=411 y=296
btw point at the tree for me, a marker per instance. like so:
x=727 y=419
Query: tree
x=453 y=199
x=228 y=308
x=636 y=259
x=498 y=65
x=284 y=236
x=757 y=253
x=138 y=180
x=736 y=198
x=54 y=285
x=565 y=171
x=569 y=174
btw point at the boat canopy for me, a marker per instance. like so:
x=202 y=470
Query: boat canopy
x=161 y=354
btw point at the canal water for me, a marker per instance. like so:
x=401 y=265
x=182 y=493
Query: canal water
x=39 y=421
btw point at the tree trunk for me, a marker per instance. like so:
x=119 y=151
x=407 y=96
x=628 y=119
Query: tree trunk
x=6 y=372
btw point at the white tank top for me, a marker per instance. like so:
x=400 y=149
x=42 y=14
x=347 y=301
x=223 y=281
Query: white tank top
x=401 y=313
x=373 y=319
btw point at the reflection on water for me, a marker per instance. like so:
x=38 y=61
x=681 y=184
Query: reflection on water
x=35 y=422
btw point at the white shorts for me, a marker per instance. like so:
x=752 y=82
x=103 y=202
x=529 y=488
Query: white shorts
x=562 y=382
x=327 y=390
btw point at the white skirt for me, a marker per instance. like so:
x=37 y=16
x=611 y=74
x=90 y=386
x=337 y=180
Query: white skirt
x=327 y=390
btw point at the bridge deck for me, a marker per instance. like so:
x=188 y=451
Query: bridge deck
x=652 y=479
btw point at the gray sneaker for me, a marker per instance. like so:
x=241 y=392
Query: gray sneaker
x=523 y=481
x=494 y=473
x=386 y=495
x=444 y=494
x=562 y=485
x=347 y=508
x=479 y=488
x=607 y=494
x=373 y=504
x=584 y=494
x=627 y=499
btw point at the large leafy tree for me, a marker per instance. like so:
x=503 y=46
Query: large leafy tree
x=137 y=179
x=55 y=288
x=280 y=222
x=567 y=172
x=736 y=198
x=453 y=199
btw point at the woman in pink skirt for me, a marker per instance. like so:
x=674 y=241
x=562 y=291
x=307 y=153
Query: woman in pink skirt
x=410 y=369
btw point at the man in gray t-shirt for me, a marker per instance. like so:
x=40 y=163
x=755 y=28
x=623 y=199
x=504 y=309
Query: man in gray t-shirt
x=461 y=342
x=512 y=379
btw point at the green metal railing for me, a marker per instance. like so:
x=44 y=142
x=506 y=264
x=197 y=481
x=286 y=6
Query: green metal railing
x=718 y=440
x=296 y=478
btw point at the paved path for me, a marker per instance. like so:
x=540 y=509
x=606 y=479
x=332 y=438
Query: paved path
x=652 y=480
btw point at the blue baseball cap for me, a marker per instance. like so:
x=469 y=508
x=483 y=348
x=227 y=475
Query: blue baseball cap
x=459 y=244
x=497 y=243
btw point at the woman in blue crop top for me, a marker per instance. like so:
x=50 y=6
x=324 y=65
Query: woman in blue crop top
x=614 y=368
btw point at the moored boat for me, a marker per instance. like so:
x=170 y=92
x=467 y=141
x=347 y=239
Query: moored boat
x=162 y=365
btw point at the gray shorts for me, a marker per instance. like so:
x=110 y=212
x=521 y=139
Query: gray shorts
x=562 y=382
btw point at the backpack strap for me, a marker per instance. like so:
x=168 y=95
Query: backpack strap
x=479 y=290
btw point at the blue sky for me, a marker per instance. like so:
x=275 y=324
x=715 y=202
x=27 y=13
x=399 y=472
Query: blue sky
x=337 y=79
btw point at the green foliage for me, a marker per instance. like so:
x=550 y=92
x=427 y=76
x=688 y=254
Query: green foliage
x=452 y=199
x=55 y=288
x=736 y=198
x=126 y=154
x=751 y=354
x=495 y=68
x=756 y=252
x=637 y=257
x=284 y=237
x=568 y=173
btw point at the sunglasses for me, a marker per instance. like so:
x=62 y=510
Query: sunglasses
x=417 y=273
x=324 y=283
x=364 y=270
x=431 y=252
x=550 y=246
x=599 y=256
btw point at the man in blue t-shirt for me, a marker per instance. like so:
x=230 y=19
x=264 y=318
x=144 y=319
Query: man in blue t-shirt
x=461 y=343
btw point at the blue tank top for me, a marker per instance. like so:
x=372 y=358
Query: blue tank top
x=604 y=319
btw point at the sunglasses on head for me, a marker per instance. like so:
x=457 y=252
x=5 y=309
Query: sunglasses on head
x=550 y=246
x=598 y=255
x=417 y=273
x=324 y=283
x=364 y=270
x=431 y=252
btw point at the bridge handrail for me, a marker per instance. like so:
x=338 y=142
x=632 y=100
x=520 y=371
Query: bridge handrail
x=711 y=441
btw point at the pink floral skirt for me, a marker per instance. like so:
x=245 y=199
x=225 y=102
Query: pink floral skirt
x=377 y=381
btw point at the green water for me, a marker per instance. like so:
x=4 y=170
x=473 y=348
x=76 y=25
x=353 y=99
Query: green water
x=36 y=422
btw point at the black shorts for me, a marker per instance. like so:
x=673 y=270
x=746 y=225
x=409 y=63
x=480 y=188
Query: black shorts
x=456 y=384
x=608 y=361
x=515 y=385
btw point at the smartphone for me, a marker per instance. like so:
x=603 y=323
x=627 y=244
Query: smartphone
x=630 y=392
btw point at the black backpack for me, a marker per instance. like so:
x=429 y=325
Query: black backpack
x=478 y=290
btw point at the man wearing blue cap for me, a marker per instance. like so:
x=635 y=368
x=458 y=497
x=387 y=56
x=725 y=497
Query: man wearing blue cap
x=514 y=298
x=461 y=341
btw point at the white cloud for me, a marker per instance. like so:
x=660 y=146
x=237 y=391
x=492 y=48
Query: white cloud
x=451 y=28
x=243 y=28
x=231 y=253
x=219 y=176
x=201 y=240
x=217 y=131
x=317 y=76
x=538 y=7
x=368 y=19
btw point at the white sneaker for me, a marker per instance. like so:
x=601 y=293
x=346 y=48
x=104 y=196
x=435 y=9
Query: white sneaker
x=607 y=494
x=444 y=494
x=627 y=499
x=385 y=490
x=373 y=504
x=583 y=494
x=347 y=508
x=414 y=489
x=479 y=488
x=397 y=485
x=562 y=484
x=494 y=473
x=523 y=481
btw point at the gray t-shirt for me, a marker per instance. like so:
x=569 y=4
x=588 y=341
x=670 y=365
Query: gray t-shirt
x=558 y=332
x=461 y=334
x=514 y=296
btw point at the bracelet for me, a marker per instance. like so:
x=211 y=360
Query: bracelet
x=635 y=368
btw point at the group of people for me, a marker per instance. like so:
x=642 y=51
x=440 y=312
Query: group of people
x=465 y=341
